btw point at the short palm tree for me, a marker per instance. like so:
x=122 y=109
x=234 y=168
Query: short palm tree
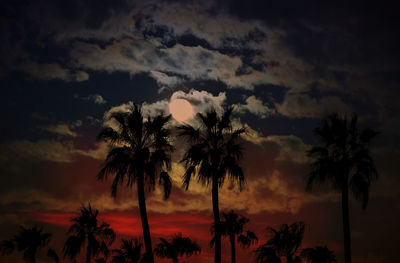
x=28 y=241
x=318 y=254
x=232 y=226
x=266 y=254
x=213 y=154
x=140 y=153
x=87 y=230
x=129 y=252
x=176 y=247
x=285 y=241
x=342 y=158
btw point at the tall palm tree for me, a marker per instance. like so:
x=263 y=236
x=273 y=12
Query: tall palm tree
x=28 y=241
x=232 y=226
x=140 y=152
x=318 y=254
x=129 y=252
x=342 y=158
x=212 y=155
x=284 y=241
x=87 y=230
x=176 y=247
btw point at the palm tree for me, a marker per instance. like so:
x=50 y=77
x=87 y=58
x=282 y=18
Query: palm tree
x=318 y=254
x=343 y=159
x=28 y=241
x=86 y=229
x=266 y=254
x=176 y=247
x=52 y=254
x=140 y=151
x=232 y=226
x=129 y=252
x=212 y=155
x=284 y=242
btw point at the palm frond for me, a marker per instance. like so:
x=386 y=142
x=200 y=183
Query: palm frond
x=51 y=253
x=165 y=181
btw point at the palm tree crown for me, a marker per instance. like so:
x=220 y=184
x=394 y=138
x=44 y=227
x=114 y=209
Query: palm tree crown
x=284 y=242
x=232 y=226
x=140 y=153
x=176 y=247
x=129 y=252
x=212 y=155
x=86 y=229
x=28 y=241
x=342 y=158
x=318 y=254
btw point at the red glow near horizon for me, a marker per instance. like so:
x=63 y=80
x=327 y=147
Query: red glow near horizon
x=130 y=225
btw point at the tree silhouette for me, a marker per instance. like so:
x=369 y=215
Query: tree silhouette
x=212 y=155
x=28 y=241
x=52 y=254
x=176 y=247
x=266 y=254
x=342 y=158
x=232 y=226
x=318 y=254
x=86 y=229
x=140 y=152
x=129 y=252
x=284 y=242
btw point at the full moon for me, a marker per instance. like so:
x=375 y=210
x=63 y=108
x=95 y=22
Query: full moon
x=181 y=110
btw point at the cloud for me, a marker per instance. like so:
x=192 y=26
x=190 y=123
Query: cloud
x=95 y=98
x=63 y=151
x=254 y=106
x=50 y=71
x=60 y=129
x=200 y=100
x=302 y=105
x=41 y=150
x=291 y=148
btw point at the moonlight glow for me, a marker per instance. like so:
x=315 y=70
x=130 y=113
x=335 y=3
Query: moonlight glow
x=181 y=110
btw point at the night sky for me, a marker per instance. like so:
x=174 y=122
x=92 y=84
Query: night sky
x=283 y=65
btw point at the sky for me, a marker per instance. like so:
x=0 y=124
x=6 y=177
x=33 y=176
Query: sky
x=282 y=65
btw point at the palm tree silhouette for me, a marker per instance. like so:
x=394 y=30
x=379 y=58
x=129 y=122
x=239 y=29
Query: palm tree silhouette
x=28 y=241
x=176 y=247
x=343 y=159
x=129 y=252
x=86 y=229
x=140 y=152
x=213 y=153
x=318 y=254
x=284 y=242
x=52 y=254
x=266 y=254
x=232 y=226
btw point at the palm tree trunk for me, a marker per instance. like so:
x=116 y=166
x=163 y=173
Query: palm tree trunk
x=33 y=258
x=88 y=253
x=233 y=248
x=175 y=260
x=217 y=253
x=346 y=223
x=143 y=216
